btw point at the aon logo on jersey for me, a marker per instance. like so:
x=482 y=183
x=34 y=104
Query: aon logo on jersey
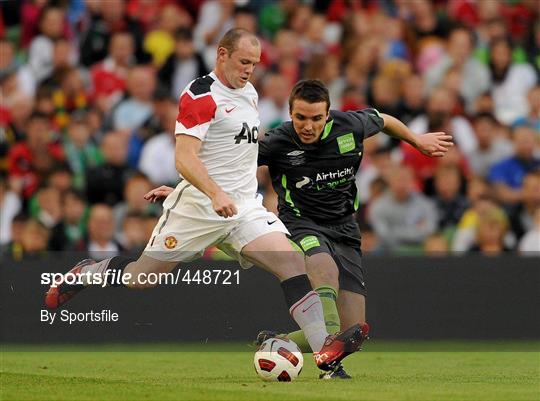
x=247 y=134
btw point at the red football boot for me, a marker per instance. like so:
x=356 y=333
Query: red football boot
x=60 y=292
x=338 y=346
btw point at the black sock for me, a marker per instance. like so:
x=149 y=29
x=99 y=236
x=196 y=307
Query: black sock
x=117 y=266
x=295 y=288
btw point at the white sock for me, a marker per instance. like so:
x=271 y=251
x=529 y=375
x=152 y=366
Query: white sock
x=94 y=268
x=308 y=313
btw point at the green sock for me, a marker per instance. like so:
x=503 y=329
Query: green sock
x=328 y=297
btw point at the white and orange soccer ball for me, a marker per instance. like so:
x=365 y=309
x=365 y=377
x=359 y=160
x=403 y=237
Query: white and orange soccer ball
x=278 y=359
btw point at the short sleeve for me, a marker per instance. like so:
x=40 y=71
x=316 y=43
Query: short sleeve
x=370 y=120
x=196 y=110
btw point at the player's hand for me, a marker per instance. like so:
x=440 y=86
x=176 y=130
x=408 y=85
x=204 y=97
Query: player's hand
x=158 y=193
x=434 y=144
x=223 y=205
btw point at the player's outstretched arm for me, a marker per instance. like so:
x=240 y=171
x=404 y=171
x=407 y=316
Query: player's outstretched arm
x=434 y=144
x=193 y=170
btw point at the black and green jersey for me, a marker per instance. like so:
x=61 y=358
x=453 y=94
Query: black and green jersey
x=317 y=181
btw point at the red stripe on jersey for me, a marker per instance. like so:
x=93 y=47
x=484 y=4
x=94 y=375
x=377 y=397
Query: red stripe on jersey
x=193 y=112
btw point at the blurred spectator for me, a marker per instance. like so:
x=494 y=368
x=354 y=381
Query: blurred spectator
x=476 y=77
x=274 y=103
x=375 y=165
x=160 y=42
x=215 y=18
x=69 y=97
x=522 y=216
x=511 y=82
x=14 y=247
x=532 y=118
x=81 y=152
x=34 y=238
x=47 y=208
x=136 y=187
x=439 y=117
x=402 y=218
x=100 y=244
x=63 y=58
x=436 y=245
x=326 y=68
x=70 y=233
x=110 y=18
x=478 y=195
x=12 y=129
x=109 y=76
x=60 y=178
x=413 y=99
x=10 y=206
x=20 y=77
x=158 y=153
x=41 y=51
x=530 y=243
x=491 y=149
x=384 y=95
x=34 y=158
x=132 y=112
x=507 y=175
x=286 y=60
x=134 y=238
x=105 y=183
x=183 y=65
x=449 y=202
x=426 y=22
x=492 y=228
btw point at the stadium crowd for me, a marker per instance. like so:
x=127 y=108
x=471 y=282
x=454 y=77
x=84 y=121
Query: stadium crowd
x=89 y=99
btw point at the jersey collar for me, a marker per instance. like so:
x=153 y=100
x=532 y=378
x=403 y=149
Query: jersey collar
x=326 y=131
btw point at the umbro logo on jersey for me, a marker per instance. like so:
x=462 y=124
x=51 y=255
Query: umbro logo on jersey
x=229 y=110
x=295 y=153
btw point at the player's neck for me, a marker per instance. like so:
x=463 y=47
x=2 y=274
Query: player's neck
x=222 y=79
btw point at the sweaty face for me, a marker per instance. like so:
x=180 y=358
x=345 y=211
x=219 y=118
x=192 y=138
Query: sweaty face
x=309 y=120
x=238 y=66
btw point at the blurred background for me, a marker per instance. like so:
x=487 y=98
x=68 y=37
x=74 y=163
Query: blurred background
x=89 y=98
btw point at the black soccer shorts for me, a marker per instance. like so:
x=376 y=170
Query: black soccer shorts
x=341 y=242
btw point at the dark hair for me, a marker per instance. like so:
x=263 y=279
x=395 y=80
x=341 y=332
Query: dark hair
x=311 y=91
x=37 y=115
x=183 y=33
x=231 y=38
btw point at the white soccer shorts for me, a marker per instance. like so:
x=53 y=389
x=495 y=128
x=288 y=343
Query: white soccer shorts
x=189 y=225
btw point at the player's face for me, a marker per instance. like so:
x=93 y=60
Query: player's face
x=239 y=65
x=309 y=119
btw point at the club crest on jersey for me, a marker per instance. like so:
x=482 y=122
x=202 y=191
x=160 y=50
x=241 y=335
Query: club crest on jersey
x=170 y=242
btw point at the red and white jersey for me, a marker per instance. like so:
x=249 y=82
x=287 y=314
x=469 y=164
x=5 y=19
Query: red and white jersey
x=226 y=121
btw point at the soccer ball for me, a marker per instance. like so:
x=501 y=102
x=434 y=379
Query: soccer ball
x=278 y=359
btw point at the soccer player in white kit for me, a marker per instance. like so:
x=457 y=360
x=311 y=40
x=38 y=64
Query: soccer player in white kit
x=216 y=202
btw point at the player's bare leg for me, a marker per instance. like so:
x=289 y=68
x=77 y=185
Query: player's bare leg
x=352 y=308
x=274 y=253
x=145 y=265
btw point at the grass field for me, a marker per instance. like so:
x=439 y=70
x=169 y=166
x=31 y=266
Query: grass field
x=385 y=371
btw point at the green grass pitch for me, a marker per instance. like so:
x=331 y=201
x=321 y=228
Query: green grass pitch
x=384 y=371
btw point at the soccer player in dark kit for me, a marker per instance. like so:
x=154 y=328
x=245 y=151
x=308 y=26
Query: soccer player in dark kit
x=312 y=161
